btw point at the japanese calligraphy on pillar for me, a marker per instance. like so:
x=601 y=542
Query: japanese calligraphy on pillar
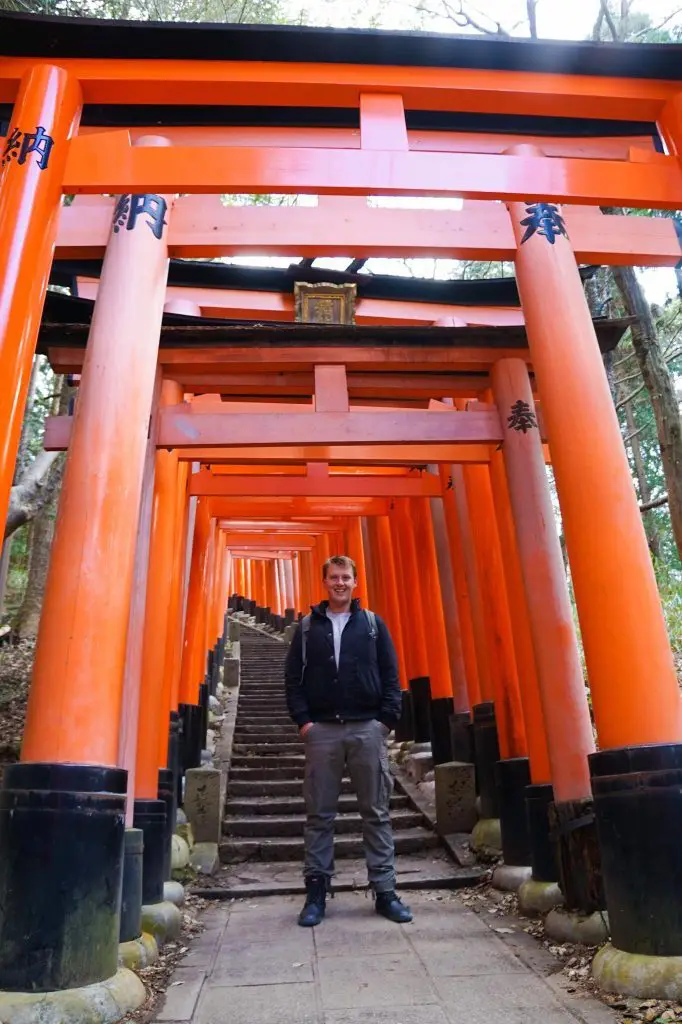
x=130 y=207
x=522 y=417
x=543 y=219
x=20 y=145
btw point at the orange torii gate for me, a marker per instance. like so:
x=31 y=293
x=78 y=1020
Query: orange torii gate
x=140 y=566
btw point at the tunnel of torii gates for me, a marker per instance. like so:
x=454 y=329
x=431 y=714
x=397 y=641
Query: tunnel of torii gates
x=221 y=447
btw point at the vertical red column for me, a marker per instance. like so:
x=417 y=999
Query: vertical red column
x=356 y=552
x=560 y=676
x=45 y=116
x=194 y=652
x=623 y=629
x=500 y=646
x=90 y=575
x=463 y=567
x=152 y=732
x=414 y=634
x=431 y=599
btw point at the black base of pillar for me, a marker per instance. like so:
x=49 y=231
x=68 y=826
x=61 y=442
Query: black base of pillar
x=441 y=710
x=203 y=704
x=289 y=616
x=486 y=756
x=512 y=776
x=420 y=688
x=404 y=730
x=174 y=755
x=131 y=892
x=167 y=794
x=150 y=816
x=462 y=737
x=543 y=857
x=638 y=807
x=232 y=602
x=61 y=866
x=573 y=831
x=190 y=744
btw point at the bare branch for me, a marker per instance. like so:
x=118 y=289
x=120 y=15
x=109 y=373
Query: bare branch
x=654 y=503
x=640 y=430
x=608 y=18
x=32 y=491
x=531 y=9
x=628 y=398
x=656 y=28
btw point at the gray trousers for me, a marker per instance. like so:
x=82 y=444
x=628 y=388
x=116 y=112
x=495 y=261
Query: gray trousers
x=329 y=748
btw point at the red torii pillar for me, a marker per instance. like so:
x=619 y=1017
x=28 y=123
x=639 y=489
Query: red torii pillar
x=635 y=695
x=74 y=711
x=414 y=635
x=48 y=102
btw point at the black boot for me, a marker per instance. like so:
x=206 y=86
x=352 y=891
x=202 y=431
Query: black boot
x=389 y=905
x=315 y=901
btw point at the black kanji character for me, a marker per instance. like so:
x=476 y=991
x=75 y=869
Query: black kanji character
x=546 y=220
x=12 y=146
x=38 y=142
x=121 y=211
x=130 y=207
x=522 y=417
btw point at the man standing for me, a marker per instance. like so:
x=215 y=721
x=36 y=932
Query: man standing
x=343 y=693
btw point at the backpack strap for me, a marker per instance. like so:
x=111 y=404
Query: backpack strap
x=305 y=629
x=372 y=623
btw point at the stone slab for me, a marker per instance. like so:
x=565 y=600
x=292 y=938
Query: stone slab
x=203 y=803
x=231 y=673
x=455 y=797
x=264 y=963
x=182 y=994
x=418 y=765
x=387 y=979
x=424 y=1014
x=271 y=1004
x=234 y=630
x=205 y=858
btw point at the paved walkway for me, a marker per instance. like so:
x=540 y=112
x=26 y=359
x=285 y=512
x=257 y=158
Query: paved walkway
x=254 y=965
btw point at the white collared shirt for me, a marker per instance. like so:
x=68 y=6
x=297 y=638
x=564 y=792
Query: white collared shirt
x=338 y=621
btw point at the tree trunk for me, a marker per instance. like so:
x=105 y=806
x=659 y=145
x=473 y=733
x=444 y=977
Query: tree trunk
x=42 y=533
x=652 y=534
x=661 y=389
x=5 y=553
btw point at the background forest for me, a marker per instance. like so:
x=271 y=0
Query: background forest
x=645 y=372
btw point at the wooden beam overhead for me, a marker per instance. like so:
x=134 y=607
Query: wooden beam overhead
x=423 y=485
x=108 y=163
x=202 y=226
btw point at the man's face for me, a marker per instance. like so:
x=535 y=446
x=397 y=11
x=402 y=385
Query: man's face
x=340 y=584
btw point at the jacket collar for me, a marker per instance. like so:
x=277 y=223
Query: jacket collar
x=321 y=608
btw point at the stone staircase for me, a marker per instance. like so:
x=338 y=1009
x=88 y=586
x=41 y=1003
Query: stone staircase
x=262 y=846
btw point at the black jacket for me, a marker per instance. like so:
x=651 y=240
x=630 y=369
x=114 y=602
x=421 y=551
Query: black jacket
x=364 y=686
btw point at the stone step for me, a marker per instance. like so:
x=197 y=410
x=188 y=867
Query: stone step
x=278 y=826
x=264 y=772
x=249 y=806
x=239 y=788
x=262 y=721
x=259 y=742
x=293 y=761
x=236 y=850
x=277 y=734
x=266 y=749
x=431 y=869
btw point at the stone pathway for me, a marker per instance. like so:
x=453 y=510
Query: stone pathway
x=254 y=965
